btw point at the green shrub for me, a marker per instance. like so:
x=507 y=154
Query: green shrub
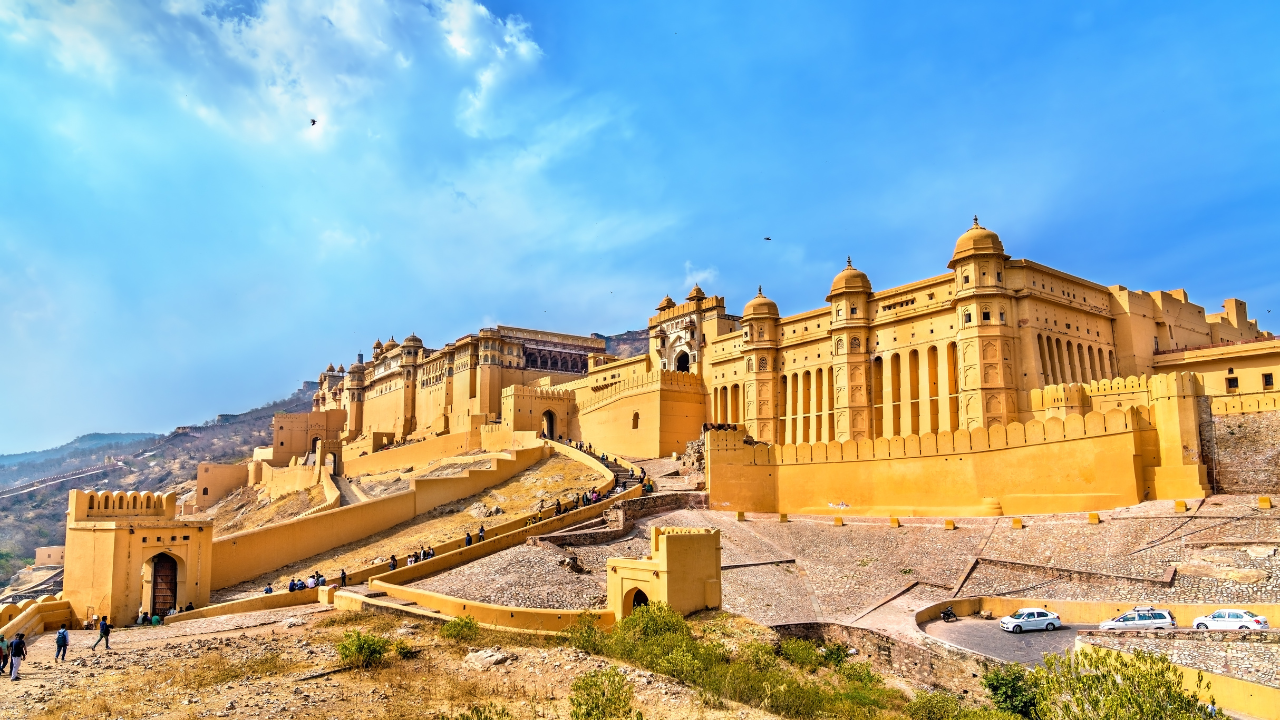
x=987 y=714
x=757 y=656
x=404 y=650
x=933 y=706
x=834 y=654
x=484 y=712
x=1095 y=682
x=462 y=629
x=584 y=634
x=801 y=653
x=680 y=664
x=362 y=650
x=1011 y=689
x=859 y=673
x=601 y=695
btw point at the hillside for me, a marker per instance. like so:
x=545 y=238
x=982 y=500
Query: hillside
x=38 y=518
x=84 y=451
x=627 y=344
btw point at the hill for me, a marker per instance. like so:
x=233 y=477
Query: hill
x=38 y=518
x=92 y=441
x=627 y=344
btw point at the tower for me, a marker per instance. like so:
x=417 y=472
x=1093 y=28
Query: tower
x=986 y=336
x=760 y=345
x=851 y=359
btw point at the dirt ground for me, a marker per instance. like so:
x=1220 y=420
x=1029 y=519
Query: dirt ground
x=555 y=477
x=242 y=509
x=275 y=669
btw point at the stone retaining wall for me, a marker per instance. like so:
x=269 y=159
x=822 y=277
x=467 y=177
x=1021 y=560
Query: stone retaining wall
x=621 y=519
x=1242 y=452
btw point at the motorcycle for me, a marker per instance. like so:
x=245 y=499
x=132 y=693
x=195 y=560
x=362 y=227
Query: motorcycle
x=949 y=615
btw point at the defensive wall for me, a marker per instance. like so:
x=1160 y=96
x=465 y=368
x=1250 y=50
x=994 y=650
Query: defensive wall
x=1095 y=461
x=415 y=454
x=1240 y=442
x=246 y=555
x=35 y=616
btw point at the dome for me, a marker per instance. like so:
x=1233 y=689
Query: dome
x=330 y=368
x=413 y=340
x=358 y=367
x=666 y=304
x=977 y=239
x=391 y=344
x=377 y=344
x=342 y=369
x=760 y=305
x=696 y=294
x=850 y=279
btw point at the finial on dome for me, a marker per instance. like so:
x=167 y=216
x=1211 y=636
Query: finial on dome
x=759 y=291
x=975 y=222
x=848 y=261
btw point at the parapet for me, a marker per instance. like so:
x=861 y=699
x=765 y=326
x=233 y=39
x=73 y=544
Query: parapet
x=107 y=505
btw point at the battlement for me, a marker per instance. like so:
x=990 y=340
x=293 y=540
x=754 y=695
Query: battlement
x=684 y=308
x=108 y=505
x=537 y=392
x=660 y=531
x=1115 y=393
x=729 y=445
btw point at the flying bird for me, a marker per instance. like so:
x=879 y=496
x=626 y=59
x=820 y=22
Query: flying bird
x=768 y=238
x=313 y=121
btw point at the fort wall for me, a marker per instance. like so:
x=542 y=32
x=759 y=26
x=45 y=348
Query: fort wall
x=416 y=454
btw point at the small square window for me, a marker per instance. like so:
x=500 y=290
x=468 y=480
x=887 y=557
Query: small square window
x=966 y=279
x=1267 y=380
x=986 y=316
x=999 y=277
x=186 y=537
x=1233 y=383
x=968 y=318
x=144 y=539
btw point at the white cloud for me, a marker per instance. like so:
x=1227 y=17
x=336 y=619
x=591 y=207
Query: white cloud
x=694 y=276
x=267 y=69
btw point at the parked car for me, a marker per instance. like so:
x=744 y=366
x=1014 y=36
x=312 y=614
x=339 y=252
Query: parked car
x=1030 y=619
x=1142 y=618
x=1231 y=619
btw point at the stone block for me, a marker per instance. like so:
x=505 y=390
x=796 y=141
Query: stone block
x=949 y=525
x=893 y=522
x=1094 y=519
x=838 y=521
x=1017 y=523
x=1264 y=503
x=782 y=517
x=741 y=516
x=1179 y=506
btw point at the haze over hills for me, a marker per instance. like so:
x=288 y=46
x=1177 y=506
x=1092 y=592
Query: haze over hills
x=92 y=441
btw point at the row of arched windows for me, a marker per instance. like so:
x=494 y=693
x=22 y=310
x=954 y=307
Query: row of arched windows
x=1073 y=362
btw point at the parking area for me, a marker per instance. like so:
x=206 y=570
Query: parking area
x=986 y=637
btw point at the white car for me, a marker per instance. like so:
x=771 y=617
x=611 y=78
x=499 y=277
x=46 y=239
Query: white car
x=1030 y=619
x=1231 y=619
x=1142 y=618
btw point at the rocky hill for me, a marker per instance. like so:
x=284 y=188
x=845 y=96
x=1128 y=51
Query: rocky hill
x=627 y=344
x=37 y=518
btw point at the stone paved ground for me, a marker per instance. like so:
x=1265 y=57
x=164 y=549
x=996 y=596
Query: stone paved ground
x=1252 y=661
x=523 y=576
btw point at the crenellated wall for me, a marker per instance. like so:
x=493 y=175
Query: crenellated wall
x=1092 y=461
x=648 y=415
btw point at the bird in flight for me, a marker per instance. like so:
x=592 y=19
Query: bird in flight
x=313 y=121
x=768 y=238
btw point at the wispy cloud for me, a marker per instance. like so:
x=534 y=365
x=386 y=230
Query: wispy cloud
x=695 y=276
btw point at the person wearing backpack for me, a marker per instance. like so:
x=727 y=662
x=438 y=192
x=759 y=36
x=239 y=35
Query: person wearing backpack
x=62 y=641
x=17 y=653
x=104 y=633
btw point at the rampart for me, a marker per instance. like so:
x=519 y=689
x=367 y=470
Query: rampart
x=1095 y=461
x=415 y=454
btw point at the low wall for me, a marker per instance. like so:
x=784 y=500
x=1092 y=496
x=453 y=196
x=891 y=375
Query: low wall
x=246 y=555
x=34 y=616
x=332 y=495
x=214 y=481
x=274 y=601
x=1229 y=693
x=1083 y=611
x=280 y=481
x=498 y=617
x=621 y=517
x=1091 y=462
x=417 y=454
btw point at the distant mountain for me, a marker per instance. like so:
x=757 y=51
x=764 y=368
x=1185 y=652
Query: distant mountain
x=627 y=344
x=92 y=441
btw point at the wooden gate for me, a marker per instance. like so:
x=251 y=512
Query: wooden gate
x=164 y=584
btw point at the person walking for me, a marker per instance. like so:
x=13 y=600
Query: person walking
x=61 y=642
x=431 y=552
x=17 y=653
x=4 y=655
x=467 y=543
x=482 y=533
x=343 y=577
x=104 y=633
x=393 y=562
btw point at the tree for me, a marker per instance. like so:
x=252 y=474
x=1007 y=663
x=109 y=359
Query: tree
x=1101 y=684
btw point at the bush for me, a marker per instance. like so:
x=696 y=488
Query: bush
x=601 y=695
x=462 y=629
x=404 y=650
x=801 y=653
x=485 y=712
x=1011 y=689
x=362 y=650
x=933 y=706
x=584 y=634
x=1095 y=682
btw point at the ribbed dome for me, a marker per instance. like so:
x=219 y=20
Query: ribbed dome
x=760 y=305
x=413 y=340
x=850 y=279
x=666 y=304
x=696 y=294
x=391 y=344
x=977 y=239
x=377 y=344
x=330 y=368
x=342 y=369
x=357 y=368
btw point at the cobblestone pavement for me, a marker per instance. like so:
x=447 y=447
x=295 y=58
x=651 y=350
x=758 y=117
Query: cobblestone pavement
x=986 y=637
x=522 y=576
x=1252 y=661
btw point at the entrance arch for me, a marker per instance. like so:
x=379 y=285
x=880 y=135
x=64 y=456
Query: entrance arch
x=549 y=424
x=164 y=584
x=682 y=362
x=634 y=599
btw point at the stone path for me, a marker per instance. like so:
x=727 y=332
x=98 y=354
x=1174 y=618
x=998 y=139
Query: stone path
x=986 y=637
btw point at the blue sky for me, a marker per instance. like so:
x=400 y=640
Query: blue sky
x=176 y=239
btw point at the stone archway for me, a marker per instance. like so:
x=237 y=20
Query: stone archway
x=164 y=584
x=682 y=361
x=549 y=424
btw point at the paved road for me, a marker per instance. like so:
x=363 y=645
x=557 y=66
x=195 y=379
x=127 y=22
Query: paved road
x=986 y=637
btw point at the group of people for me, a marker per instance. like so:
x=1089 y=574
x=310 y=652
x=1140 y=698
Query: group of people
x=13 y=652
x=157 y=618
x=312 y=581
x=426 y=552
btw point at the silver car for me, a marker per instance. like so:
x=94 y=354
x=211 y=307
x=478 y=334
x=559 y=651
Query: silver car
x=1142 y=618
x=1030 y=619
x=1231 y=619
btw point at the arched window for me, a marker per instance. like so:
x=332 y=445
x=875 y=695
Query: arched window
x=135 y=503
x=635 y=421
x=854 y=344
x=750 y=365
x=204 y=491
x=90 y=502
x=148 y=502
x=839 y=346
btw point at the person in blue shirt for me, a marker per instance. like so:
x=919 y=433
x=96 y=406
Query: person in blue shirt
x=62 y=641
x=104 y=633
x=467 y=543
x=268 y=589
